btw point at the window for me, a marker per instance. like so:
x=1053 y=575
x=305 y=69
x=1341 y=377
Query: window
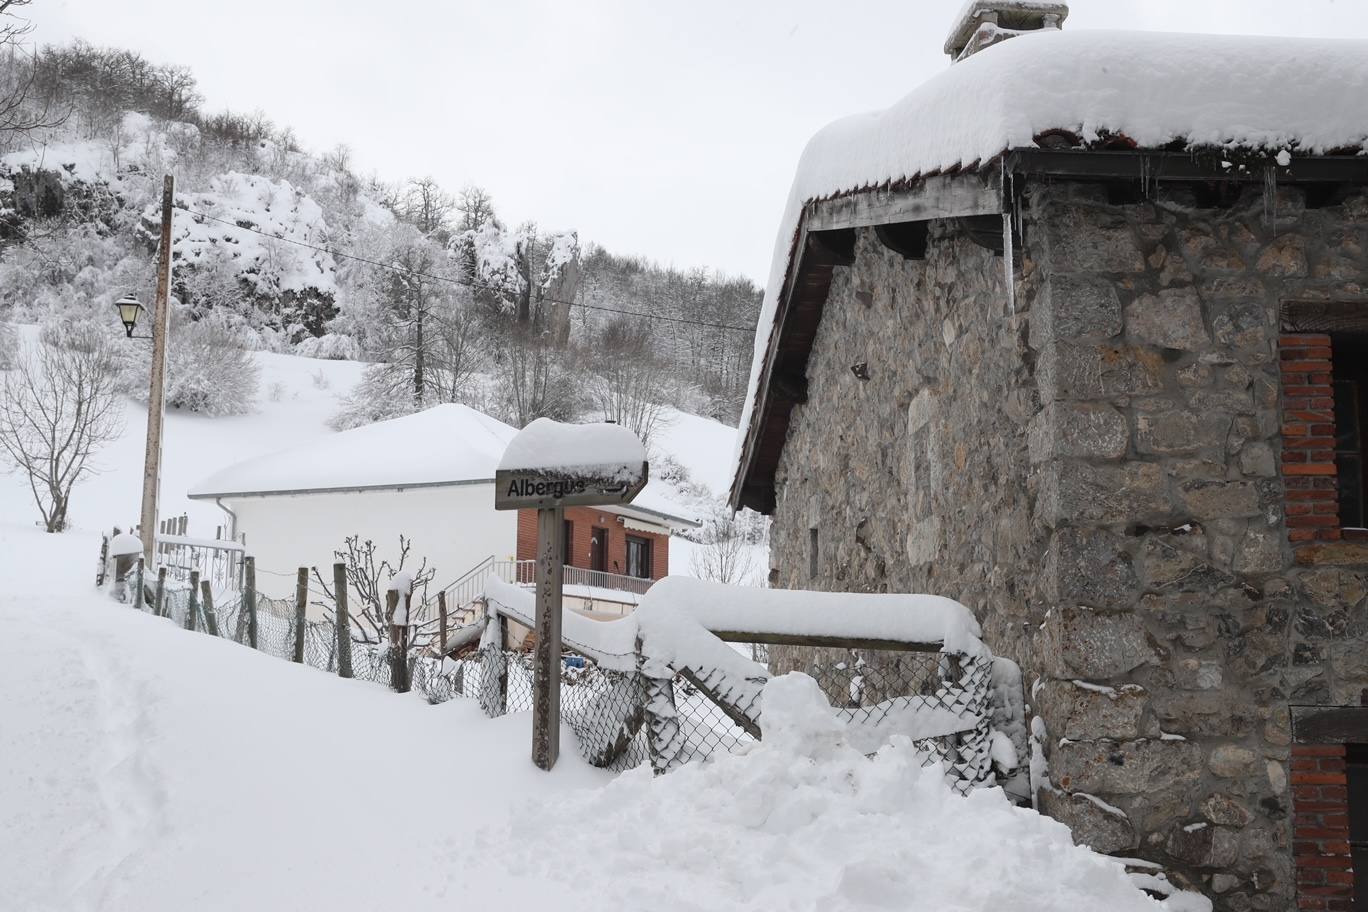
x=813 y=556
x=1356 y=768
x=568 y=545
x=638 y=557
x=1350 y=360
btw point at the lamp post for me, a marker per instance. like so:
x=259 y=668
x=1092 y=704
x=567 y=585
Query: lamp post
x=130 y=308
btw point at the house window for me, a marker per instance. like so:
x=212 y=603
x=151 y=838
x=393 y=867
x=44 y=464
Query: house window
x=1356 y=768
x=1350 y=360
x=568 y=545
x=638 y=557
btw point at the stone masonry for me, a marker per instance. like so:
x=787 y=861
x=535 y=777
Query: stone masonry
x=1104 y=478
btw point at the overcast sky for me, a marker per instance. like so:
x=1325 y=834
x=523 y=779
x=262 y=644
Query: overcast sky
x=668 y=130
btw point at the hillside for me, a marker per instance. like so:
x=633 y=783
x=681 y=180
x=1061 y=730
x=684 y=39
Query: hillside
x=285 y=250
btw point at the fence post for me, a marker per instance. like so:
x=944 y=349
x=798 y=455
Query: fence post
x=343 y=620
x=207 y=603
x=158 y=602
x=665 y=739
x=104 y=561
x=494 y=670
x=441 y=621
x=192 y=605
x=398 y=651
x=301 y=606
x=250 y=600
x=138 y=580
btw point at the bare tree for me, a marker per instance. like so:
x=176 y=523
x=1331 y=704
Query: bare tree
x=628 y=385
x=367 y=579
x=57 y=407
x=722 y=553
x=18 y=112
x=428 y=207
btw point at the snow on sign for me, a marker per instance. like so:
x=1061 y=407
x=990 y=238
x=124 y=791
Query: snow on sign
x=550 y=464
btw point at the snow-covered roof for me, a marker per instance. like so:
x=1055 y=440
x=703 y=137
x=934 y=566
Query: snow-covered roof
x=1279 y=95
x=444 y=445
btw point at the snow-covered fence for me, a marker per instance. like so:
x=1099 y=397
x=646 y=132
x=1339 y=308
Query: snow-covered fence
x=663 y=686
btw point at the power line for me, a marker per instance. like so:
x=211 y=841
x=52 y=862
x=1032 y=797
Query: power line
x=462 y=282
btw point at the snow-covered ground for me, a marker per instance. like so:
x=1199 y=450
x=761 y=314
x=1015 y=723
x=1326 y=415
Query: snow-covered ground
x=144 y=767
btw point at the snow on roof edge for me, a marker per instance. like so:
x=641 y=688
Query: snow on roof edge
x=1082 y=81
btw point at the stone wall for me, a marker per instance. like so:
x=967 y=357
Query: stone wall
x=1159 y=446
x=1099 y=478
x=916 y=478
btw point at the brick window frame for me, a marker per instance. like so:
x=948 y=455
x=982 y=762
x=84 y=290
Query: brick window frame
x=1322 y=857
x=1309 y=474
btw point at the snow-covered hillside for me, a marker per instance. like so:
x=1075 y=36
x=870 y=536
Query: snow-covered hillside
x=297 y=398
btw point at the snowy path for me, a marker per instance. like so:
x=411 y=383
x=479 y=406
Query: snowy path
x=144 y=767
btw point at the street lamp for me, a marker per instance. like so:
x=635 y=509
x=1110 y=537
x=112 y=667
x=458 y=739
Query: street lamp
x=130 y=308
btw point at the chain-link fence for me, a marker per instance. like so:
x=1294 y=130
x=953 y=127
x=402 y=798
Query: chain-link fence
x=937 y=699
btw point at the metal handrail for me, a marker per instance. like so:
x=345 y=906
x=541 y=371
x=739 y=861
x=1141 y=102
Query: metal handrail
x=470 y=585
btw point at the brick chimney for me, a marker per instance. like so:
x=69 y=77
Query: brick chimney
x=984 y=23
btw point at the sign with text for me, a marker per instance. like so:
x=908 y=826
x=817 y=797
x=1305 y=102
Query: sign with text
x=541 y=489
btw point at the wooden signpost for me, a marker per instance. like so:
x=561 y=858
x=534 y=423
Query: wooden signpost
x=549 y=492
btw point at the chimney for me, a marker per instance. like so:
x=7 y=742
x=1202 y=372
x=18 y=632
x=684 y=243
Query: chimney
x=984 y=23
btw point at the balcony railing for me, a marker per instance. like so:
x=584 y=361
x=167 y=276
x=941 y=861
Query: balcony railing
x=470 y=586
x=524 y=573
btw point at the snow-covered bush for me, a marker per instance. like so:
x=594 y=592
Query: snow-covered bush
x=209 y=371
x=373 y=399
x=334 y=347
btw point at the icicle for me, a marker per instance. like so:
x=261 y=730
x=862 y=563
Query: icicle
x=1008 y=255
x=1270 y=197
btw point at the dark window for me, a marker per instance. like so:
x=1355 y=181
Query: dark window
x=568 y=546
x=598 y=549
x=1350 y=353
x=638 y=557
x=812 y=554
x=1356 y=767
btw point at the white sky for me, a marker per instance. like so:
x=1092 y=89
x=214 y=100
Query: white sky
x=669 y=130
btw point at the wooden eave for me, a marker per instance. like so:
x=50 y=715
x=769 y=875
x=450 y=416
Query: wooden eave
x=825 y=239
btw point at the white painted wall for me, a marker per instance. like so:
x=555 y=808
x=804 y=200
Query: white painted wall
x=455 y=527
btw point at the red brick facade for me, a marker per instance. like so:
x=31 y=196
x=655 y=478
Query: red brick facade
x=1308 y=438
x=1320 y=828
x=1320 y=793
x=583 y=520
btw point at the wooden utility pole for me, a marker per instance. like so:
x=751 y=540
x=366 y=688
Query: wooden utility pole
x=156 y=398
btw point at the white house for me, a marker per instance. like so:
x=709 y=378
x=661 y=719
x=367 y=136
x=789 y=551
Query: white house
x=430 y=478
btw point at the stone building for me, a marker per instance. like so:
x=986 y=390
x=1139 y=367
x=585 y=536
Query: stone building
x=1104 y=384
